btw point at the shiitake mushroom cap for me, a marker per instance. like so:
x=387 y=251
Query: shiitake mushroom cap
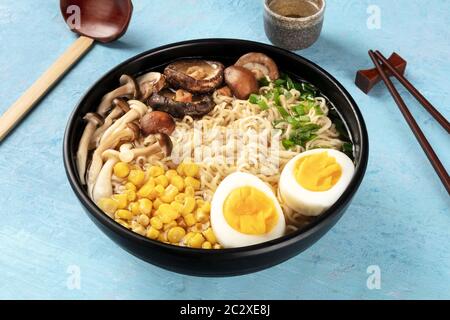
x=241 y=81
x=178 y=75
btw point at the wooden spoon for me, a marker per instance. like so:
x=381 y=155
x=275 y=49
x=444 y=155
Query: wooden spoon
x=101 y=20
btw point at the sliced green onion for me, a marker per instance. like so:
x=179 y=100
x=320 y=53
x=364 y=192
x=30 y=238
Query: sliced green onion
x=276 y=97
x=304 y=119
x=288 y=95
x=254 y=98
x=299 y=110
x=290 y=84
x=318 y=110
x=287 y=144
x=347 y=148
x=263 y=104
x=284 y=113
x=309 y=127
x=275 y=123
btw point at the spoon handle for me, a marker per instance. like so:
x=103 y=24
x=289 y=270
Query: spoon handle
x=23 y=105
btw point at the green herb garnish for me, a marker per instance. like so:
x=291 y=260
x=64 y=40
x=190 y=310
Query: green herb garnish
x=258 y=100
x=347 y=148
x=287 y=144
x=284 y=113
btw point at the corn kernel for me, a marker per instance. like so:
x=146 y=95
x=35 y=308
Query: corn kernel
x=206 y=207
x=152 y=233
x=151 y=182
x=159 y=189
x=170 y=225
x=189 y=191
x=130 y=186
x=187 y=237
x=162 y=180
x=188 y=205
x=144 y=220
x=124 y=214
x=121 y=169
x=206 y=245
x=190 y=220
x=136 y=177
x=175 y=234
x=177 y=182
x=169 y=194
x=131 y=195
x=178 y=207
x=180 y=197
x=217 y=246
x=134 y=208
x=192 y=182
x=180 y=168
x=191 y=169
x=139 y=229
x=108 y=205
x=156 y=223
x=210 y=236
x=155 y=171
x=201 y=216
x=162 y=237
x=123 y=223
x=198 y=227
x=145 y=191
x=145 y=206
x=157 y=203
x=122 y=200
x=167 y=213
x=196 y=241
x=170 y=173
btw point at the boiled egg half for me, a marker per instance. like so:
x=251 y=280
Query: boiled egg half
x=314 y=180
x=245 y=211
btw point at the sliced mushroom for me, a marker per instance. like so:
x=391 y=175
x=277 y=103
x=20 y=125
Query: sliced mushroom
x=120 y=108
x=129 y=133
x=93 y=121
x=157 y=122
x=196 y=76
x=128 y=88
x=103 y=185
x=260 y=64
x=163 y=145
x=137 y=111
x=198 y=108
x=149 y=83
x=183 y=96
x=224 y=91
x=241 y=81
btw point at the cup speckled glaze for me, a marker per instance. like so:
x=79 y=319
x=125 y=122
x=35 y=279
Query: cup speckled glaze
x=293 y=24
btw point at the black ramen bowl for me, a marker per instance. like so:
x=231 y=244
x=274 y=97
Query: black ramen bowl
x=222 y=262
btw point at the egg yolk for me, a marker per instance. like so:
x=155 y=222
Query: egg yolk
x=317 y=172
x=250 y=211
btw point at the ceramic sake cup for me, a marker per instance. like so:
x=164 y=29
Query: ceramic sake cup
x=293 y=24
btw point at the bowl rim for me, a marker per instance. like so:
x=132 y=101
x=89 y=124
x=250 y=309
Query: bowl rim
x=269 y=246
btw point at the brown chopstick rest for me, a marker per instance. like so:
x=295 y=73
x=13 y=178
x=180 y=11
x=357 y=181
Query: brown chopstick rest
x=367 y=79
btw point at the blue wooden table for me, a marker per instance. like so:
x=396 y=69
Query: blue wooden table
x=392 y=243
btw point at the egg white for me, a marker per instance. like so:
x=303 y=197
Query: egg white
x=225 y=234
x=313 y=203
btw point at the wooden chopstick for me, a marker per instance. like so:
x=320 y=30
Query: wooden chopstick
x=435 y=162
x=410 y=87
